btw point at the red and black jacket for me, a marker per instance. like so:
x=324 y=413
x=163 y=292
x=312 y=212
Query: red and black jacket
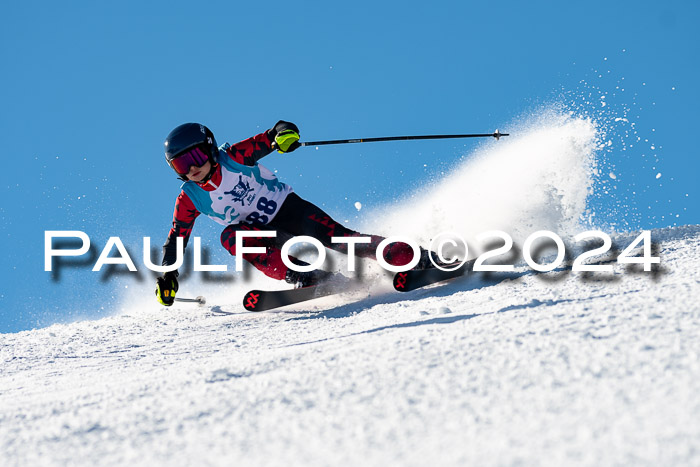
x=247 y=152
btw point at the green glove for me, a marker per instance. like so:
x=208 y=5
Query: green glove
x=166 y=287
x=286 y=141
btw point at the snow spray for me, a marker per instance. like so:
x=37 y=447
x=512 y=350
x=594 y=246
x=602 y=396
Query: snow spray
x=539 y=179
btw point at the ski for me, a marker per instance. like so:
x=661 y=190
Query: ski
x=417 y=278
x=264 y=300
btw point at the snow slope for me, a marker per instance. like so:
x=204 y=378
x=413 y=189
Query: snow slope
x=544 y=369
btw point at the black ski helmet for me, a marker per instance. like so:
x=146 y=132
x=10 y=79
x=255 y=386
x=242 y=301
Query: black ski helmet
x=186 y=137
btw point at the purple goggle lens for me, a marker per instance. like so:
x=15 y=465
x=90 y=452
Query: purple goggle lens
x=183 y=162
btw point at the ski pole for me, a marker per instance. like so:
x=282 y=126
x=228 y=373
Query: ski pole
x=199 y=300
x=496 y=134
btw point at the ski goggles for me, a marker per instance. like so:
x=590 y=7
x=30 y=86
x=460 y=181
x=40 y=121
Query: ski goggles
x=183 y=162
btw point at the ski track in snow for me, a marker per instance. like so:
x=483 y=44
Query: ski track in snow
x=533 y=371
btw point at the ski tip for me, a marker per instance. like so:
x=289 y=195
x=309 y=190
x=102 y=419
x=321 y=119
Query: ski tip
x=251 y=300
x=400 y=280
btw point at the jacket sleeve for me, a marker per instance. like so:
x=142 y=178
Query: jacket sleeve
x=251 y=150
x=183 y=222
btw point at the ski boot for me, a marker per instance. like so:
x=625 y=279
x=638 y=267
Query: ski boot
x=425 y=260
x=306 y=279
x=316 y=277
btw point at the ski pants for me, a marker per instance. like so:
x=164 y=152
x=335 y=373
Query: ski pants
x=299 y=217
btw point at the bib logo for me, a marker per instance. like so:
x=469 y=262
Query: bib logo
x=240 y=191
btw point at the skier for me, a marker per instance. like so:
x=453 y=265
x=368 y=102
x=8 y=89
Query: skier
x=227 y=184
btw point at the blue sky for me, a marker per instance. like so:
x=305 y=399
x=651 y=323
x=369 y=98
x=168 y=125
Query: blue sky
x=89 y=90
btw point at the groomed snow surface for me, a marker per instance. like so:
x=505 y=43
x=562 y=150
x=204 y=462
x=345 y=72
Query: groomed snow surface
x=546 y=369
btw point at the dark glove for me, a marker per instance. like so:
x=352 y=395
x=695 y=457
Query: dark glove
x=166 y=287
x=285 y=136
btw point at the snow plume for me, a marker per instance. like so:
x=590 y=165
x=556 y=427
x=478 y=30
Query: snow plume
x=538 y=178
